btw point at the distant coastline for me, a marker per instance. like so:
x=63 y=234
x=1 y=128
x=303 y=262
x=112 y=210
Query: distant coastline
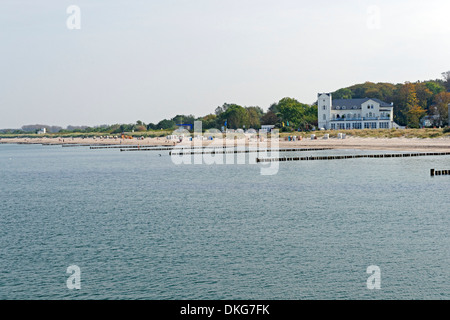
x=407 y=140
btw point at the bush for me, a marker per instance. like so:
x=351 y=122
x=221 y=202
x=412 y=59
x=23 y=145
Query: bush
x=447 y=130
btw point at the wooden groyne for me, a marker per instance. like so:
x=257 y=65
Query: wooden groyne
x=186 y=151
x=67 y=145
x=434 y=172
x=129 y=147
x=247 y=151
x=391 y=155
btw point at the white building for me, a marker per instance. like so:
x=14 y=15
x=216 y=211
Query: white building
x=267 y=128
x=42 y=131
x=346 y=114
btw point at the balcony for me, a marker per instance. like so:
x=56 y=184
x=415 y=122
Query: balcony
x=347 y=119
x=363 y=119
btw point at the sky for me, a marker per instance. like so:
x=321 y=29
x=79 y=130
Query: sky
x=149 y=60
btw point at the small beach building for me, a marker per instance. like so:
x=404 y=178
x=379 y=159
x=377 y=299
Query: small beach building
x=347 y=114
x=42 y=131
x=267 y=128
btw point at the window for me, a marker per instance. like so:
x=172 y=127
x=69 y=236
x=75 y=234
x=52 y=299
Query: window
x=348 y=126
x=324 y=117
x=366 y=125
x=357 y=125
x=324 y=107
x=333 y=126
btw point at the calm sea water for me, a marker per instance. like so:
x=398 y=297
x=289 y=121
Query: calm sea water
x=140 y=227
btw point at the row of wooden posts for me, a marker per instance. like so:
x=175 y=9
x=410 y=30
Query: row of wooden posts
x=434 y=172
x=391 y=155
x=182 y=152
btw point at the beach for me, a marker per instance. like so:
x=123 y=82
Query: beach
x=398 y=144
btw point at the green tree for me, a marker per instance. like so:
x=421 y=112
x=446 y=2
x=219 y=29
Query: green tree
x=295 y=114
x=269 y=118
x=344 y=93
x=254 y=117
x=236 y=116
x=210 y=121
x=166 y=124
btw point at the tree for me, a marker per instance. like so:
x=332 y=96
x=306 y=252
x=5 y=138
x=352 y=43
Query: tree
x=424 y=95
x=414 y=112
x=209 y=121
x=183 y=119
x=254 y=117
x=442 y=101
x=446 y=76
x=270 y=118
x=434 y=87
x=152 y=126
x=274 y=108
x=236 y=116
x=141 y=128
x=296 y=114
x=344 y=93
x=166 y=124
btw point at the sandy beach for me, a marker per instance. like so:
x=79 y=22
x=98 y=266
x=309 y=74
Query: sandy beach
x=399 y=144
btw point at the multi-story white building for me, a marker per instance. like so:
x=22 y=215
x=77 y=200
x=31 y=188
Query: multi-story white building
x=346 y=114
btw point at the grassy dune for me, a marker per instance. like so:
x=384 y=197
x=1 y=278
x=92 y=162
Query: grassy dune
x=365 y=133
x=372 y=133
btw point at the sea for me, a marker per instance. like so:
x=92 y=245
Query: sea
x=78 y=223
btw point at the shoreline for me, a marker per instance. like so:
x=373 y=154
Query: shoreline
x=398 y=144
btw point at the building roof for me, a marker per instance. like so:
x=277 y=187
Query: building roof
x=356 y=103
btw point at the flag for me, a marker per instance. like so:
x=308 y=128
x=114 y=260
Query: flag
x=287 y=123
x=282 y=124
x=225 y=123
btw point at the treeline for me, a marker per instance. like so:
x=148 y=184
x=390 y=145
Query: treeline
x=288 y=114
x=412 y=101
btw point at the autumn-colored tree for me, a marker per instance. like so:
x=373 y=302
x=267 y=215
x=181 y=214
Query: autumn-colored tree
x=442 y=100
x=414 y=112
x=424 y=95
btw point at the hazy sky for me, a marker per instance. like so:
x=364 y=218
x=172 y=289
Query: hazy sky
x=149 y=60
